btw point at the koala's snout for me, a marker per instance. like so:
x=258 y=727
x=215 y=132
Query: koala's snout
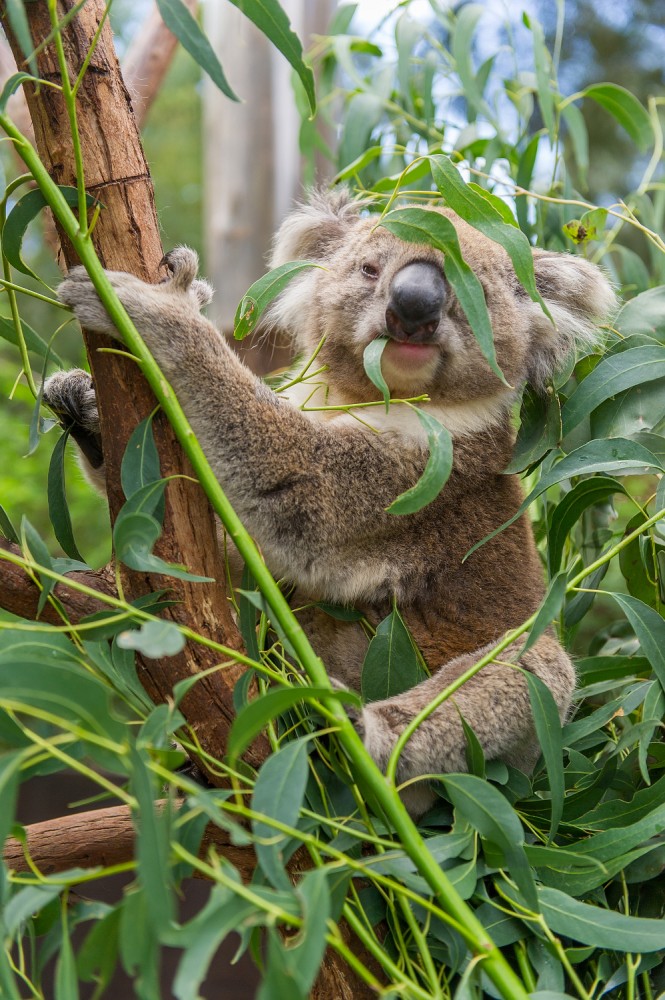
x=417 y=295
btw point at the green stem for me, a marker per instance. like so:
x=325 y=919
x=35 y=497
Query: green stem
x=365 y=769
x=70 y=104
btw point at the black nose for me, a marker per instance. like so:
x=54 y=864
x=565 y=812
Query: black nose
x=417 y=295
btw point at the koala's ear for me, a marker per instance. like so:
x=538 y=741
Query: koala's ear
x=314 y=230
x=579 y=297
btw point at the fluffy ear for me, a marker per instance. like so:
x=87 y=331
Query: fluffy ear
x=579 y=297
x=315 y=229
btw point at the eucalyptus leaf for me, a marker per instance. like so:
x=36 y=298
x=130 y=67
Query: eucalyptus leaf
x=278 y=793
x=22 y=214
x=391 y=663
x=436 y=472
x=372 y=364
x=57 y=500
x=625 y=109
x=259 y=295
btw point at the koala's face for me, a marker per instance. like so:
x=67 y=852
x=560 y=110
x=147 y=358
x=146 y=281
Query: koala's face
x=373 y=284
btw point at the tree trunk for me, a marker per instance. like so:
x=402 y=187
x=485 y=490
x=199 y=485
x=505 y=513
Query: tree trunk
x=126 y=238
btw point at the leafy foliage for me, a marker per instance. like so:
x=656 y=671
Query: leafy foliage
x=562 y=868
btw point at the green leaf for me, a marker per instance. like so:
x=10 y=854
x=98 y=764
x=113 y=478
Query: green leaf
x=270 y=18
x=278 y=793
x=610 y=455
x=568 y=511
x=18 y=20
x=548 y=610
x=25 y=903
x=611 y=375
x=66 y=979
x=184 y=26
x=34 y=544
x=649 y=627
x=436 y=472
x=543 y=64
x=579 y=138
x=57 y=500
x=491 y=814
x=643 y=314
x=24 y=211
x=636 y=562
x=10 y=765
x=391 y=663
x=484 y=216
x=152 y=846
x=15 y=81
x=97 y=956
x=372 y=365
x=154 y=639
x=33 y=341
x=134 y=536
x=548 y=730
x=306 y=953
x=262 y=292
x=625 y=109
x=140 y=463
x=7 y=528
x=273 y=703
x=598 y=927
x=419 y=225
x=462 y=47
x=247 y=616
x=475 y=758
x=540 y=429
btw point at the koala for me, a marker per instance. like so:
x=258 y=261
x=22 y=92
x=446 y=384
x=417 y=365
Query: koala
x=311 y=477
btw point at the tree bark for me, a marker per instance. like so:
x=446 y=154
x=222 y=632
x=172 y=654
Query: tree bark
x=126 y=237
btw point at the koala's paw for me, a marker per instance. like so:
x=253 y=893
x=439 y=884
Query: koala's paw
x=78 y=292
x=71 y=397
x=182 y=264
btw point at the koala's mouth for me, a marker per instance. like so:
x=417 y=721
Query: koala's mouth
x=407 y=357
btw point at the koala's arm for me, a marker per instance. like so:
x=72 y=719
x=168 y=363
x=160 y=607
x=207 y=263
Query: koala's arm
x=495 y=703
x=288 y=478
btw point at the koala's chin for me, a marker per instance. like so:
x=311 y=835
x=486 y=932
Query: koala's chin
x=312 y=477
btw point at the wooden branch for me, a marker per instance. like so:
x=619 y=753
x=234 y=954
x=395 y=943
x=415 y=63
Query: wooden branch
x=20 y=595
x=126 y=237
x=102 y=837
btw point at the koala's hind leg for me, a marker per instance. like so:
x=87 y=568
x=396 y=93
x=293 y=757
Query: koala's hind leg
x=495 y=703
x=71 y=397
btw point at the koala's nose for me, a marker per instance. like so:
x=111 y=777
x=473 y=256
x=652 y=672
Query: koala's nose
x=417 y=295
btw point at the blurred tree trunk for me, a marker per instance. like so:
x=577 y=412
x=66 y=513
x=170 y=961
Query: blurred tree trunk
x=254 y=147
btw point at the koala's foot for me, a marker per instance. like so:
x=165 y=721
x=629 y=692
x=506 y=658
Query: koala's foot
x=71 y=397
x=178 y=295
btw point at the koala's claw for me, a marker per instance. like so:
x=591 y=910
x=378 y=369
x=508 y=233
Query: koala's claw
x=71 y=397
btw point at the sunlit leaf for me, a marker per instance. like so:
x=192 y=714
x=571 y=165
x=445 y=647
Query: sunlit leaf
x=625 y=109
x=262 y=292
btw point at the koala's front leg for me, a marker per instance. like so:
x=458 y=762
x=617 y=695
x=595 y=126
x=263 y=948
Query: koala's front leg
x=495 y=703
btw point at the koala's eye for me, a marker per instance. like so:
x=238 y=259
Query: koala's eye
x=370 y=271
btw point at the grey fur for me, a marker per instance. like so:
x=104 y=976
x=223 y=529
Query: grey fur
x=312 y=487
